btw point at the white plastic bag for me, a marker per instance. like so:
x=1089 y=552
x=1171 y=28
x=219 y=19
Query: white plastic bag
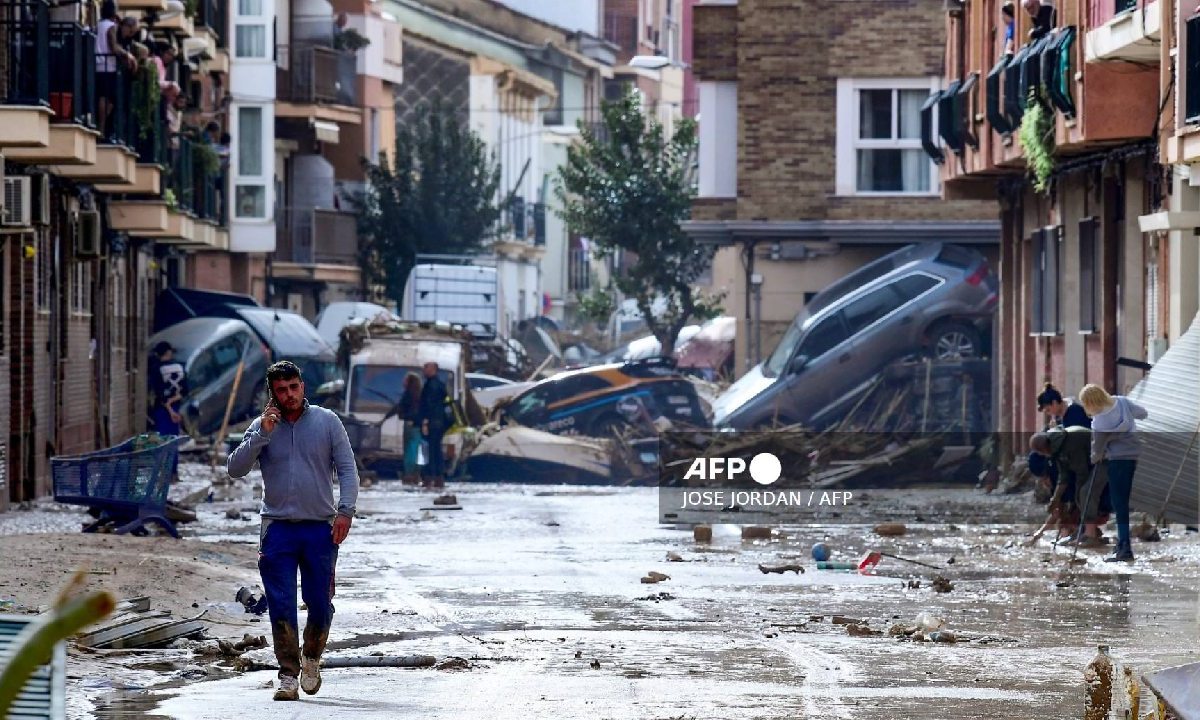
x=423 y=453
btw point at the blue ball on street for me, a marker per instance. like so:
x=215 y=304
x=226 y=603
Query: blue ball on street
x=820 y=552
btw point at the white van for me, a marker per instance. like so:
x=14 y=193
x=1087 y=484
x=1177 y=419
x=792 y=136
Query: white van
x=466 y=295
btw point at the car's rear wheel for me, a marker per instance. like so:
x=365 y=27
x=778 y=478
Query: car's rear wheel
x=955 y=340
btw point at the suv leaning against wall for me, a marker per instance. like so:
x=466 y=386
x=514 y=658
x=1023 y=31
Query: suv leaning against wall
x=931 y=298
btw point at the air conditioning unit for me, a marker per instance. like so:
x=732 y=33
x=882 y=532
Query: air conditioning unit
x=40 y=201
x=88 y=236
x=16 y=202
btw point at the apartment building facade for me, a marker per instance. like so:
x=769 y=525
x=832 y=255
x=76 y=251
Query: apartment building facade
x=100 y=207
x=810 y=162
x=1061 y=127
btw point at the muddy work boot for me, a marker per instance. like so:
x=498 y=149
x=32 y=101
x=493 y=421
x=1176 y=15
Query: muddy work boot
x=310 y=674
x=289 y=689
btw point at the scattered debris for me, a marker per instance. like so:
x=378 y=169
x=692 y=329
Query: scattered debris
x=843 y=620
x=702 y=533
x=250 y=642
x=861 y=630
x=914 y=584
x=654 y=577
x=891 y=529
x=134 y=627
x=943 y=636
x=657 y=598
x=370 y=661
x=820 y=552
x=233 y=514
x=578 y=654
x=446 y=499
x=674 y=557
x=780 y=569
x=756 y=532
x=1147 y=531
x=454 y=663
x=1111 y=688
x=595 y=664
x=254 y=604
x=1175 y=688
x=942 y=585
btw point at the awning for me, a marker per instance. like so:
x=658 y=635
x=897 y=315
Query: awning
x=1168 y=471
x=326 y=132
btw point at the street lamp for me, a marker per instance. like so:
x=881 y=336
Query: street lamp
x=650 y=62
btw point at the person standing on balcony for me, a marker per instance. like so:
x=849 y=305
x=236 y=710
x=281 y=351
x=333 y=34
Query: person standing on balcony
x=110 y=55
x=1042 y=13
x=164 y=57
x=175 y=110
x=1010 y=27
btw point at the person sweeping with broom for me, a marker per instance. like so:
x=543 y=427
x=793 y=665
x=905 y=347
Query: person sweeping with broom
x=1115 y=444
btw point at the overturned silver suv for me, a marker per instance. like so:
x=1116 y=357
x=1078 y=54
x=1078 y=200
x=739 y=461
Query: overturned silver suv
x=931 y=298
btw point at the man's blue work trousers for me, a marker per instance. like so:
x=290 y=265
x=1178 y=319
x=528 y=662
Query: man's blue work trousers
x=306 y=546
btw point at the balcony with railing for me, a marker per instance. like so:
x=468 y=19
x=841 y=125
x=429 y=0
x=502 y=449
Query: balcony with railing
x=1183 y=145
x=522 y=222
x=25 y=74
x=1128 y=30
x=310 y=73
x=51 y=67
x=979 y=115
x=214 y=15
x=316 y=236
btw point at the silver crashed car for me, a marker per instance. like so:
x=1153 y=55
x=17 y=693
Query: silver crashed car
x=930 y=298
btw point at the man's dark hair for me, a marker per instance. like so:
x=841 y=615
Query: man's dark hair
x=283 y=370
x=162 y=348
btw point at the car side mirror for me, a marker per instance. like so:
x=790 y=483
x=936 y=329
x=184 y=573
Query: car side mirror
x=333 y=387
x=798 y=364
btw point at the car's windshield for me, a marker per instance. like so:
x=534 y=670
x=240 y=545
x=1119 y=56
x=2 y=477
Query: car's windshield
x=377 y=388
x=775 y=364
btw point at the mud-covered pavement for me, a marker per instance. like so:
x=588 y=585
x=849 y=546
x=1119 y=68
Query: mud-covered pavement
x=538 y=590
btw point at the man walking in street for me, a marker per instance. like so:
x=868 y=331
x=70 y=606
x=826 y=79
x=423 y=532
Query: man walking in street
x=168 y=382
x=299 y=448
x=432 y=416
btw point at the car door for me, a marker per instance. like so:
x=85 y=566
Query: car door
x=816 y=373
x=876 y=331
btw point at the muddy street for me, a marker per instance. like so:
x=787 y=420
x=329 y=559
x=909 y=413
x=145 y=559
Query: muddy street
x=538 y=591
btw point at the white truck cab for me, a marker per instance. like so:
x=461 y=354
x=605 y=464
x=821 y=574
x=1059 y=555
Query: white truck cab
x=375 y=379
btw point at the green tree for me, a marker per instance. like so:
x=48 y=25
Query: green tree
x=628 y=187
x=437 y=195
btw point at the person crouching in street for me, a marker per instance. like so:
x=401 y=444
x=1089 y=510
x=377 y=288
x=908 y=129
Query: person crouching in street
x=1115 y=443
x=299 y=448
x=1079 y=490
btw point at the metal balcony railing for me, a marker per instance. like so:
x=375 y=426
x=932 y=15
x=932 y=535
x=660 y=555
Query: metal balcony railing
x=206 y=180
x=26 y=29
x=213 y=14
x=311 y=236
x=523 y=221
x=317 y=74
x=183 y=175
x=72 y=67
x=579 y=270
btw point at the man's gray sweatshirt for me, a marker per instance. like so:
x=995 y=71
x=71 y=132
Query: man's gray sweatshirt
x=298 y=463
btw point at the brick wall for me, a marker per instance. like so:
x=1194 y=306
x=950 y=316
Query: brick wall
x=789 y=55
x=211 y=271
x=714 y=42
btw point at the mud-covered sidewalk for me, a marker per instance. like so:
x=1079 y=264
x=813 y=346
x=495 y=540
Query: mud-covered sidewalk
x=538 y=591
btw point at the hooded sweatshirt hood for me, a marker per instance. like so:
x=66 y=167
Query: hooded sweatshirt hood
x=1117 y=419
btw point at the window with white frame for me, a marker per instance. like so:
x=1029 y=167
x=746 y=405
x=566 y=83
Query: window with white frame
x=250 y=189
x=250 y=32
x=879 y=137
x=81 y=288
